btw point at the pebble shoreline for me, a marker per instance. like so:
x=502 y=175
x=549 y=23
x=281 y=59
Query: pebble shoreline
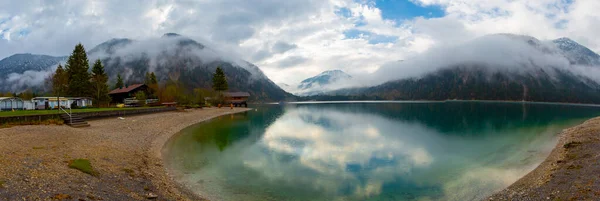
x=126 y=153
x=570 y=172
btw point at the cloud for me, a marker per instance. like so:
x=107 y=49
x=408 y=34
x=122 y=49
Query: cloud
x=281 y=47
x=265 y=32
x=499 y=53
x=292 y=61
x=160 y=51
x=27 y=80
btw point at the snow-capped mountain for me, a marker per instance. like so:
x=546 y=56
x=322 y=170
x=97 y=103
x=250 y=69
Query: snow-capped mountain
x=325 y=81
x=576 y=53
x=19 y=63
x=26 y=71
x=492 y=67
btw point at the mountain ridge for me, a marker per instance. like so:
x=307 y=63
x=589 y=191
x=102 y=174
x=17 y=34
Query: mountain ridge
x=322 y=82
x=567 y=78
x=171 y=57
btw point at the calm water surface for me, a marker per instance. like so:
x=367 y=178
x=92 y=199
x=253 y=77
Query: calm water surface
x=368 y=151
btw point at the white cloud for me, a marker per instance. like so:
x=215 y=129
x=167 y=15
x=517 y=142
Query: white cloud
x=267 y=32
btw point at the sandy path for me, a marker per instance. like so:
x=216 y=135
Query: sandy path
x=126 y=153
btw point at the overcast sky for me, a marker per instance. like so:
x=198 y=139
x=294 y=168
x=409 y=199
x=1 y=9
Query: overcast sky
x=291 y=40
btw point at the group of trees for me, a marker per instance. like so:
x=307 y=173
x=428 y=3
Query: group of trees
x=75 y=80
x=173 y=90
x=25 y=95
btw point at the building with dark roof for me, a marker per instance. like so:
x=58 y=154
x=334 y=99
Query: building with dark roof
x=236 y=98
x=120 y=94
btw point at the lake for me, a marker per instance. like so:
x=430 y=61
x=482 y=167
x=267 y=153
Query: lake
x=368 y=150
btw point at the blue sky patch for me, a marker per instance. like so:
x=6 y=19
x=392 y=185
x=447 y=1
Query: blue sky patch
x=24 y=32
x=400 y=10
x=344 y=12
x=3 y=20
x=561 y=24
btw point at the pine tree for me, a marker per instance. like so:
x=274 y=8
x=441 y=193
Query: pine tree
x=152 y=83
x=147 y=79
x=119 y=83
x=153 y=79
x=77 y=69
x=219 y=80
x=99 y=79
x=60 y=82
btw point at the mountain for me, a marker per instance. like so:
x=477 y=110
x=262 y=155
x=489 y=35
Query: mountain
x=26 y=71
x=19 y=63
x=495 y=67
x=171 y=57
x=576 y=53
x=109 y=47
x=285 y=87
x=175 y=57
x=322 y=82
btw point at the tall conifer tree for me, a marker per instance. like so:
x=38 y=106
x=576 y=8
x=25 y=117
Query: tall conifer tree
x=219 y=80
x=60 y=82
x=77 y=69
x=99 y=85
x=119 y=83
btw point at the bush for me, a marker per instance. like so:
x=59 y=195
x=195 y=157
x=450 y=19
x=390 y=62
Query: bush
x=84 y=166
x=218 y=99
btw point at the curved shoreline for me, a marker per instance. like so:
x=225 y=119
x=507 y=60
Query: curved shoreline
x=570 y=172
x=125 y=154
x=157 y=150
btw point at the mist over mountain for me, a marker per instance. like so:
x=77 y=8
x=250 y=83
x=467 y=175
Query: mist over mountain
x=493 y=67
x=21 y=71
x=323 y=82
x=175 y=57
x=171 y=57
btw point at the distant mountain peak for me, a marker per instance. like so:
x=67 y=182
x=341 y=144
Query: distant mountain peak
x=565 y=39
x=322 y=82
x=171 y=35
x=335 y=72
x=111 y=45
x=577 y=53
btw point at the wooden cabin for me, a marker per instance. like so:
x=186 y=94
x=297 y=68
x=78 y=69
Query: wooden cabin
x=236 y=98
x=119 y=95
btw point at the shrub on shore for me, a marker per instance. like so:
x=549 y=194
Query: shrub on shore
x=84 y=166
x=571 y=145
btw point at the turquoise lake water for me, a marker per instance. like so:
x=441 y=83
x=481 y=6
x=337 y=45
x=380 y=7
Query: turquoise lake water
x=368 y=151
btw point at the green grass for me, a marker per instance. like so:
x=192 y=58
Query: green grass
x=571 y=145
x=41 y=112
x=2 y=183
x=129 y=171
x=84 y=166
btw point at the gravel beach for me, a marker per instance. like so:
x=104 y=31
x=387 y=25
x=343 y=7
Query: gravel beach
x=125 y=152
x=571 y=171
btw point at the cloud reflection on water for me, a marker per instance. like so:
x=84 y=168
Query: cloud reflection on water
x=338 y=153
x=349 y=141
